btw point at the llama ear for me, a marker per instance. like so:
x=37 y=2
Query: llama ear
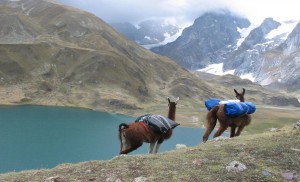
x=243 y=91
x=236 y=92
x=169 y=99
x=177 y=100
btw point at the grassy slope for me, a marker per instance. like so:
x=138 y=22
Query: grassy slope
x=273 y=152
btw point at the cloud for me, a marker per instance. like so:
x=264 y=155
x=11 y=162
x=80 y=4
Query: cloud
x=183 y=11
x=258 y=10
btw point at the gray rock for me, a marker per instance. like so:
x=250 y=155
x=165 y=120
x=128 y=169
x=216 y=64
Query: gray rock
x=54 y=179
x=236 y=166
x=274 y=129
x=288 y=175
x=140 y=179
x=266 y=174
x=297 y=125
x=180 y=146
x=198 y=162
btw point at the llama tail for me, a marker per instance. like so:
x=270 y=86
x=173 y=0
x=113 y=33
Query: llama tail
x=122 y=126
x=211 y=119
x=212 y=115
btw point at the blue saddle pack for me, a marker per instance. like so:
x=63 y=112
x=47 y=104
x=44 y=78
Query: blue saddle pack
x=239 y=108
x=212 y=102
x=232 y=108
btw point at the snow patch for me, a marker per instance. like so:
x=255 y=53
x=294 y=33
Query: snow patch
x=168 y=38
x=147 y=37
x=266 y=81
x=216 y=69
x=248 y=76
x=28 y=12
x=284 y=29
x=244 y=33
x=137 y=26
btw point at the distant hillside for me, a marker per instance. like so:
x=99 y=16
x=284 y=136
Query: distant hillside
x=58 y=55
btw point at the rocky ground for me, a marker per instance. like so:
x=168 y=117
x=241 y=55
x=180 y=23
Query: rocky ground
x=11 y=95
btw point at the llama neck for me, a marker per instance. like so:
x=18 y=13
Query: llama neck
x=242 y=99
x=171 y=114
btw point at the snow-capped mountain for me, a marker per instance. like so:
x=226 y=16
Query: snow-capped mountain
x=149 y=33
x=268 y=54
x=207 y=41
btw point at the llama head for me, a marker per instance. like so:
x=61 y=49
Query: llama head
x=123 y=138
x=173 y=103
x=172 y=108
x=240 y=96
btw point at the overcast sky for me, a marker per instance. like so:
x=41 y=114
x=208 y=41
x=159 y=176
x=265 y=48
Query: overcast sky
x=186 y=11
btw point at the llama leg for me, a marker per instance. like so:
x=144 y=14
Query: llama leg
x=232 y=131
x=240 y=129
x=157 y=147
x=151 y=147
x=220 y=130
x=158 y=143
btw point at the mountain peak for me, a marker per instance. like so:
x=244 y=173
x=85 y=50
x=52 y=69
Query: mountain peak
x=208 y=39
x=292 y=43
x=257 y=35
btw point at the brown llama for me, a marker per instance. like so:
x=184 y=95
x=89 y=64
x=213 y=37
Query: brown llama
x=218 y=113
x=134 y=134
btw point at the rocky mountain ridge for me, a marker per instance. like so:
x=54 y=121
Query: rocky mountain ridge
x=269 y=53
x=149 y=33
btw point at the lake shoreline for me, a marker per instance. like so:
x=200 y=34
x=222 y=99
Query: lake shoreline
x=187 y=118
x=127 y=112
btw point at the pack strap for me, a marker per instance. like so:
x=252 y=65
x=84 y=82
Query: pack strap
x=145 y=126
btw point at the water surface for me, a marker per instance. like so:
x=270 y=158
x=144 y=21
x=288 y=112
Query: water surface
x=34 y=137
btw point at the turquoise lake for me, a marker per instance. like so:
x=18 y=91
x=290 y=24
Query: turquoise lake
x=35 y=137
